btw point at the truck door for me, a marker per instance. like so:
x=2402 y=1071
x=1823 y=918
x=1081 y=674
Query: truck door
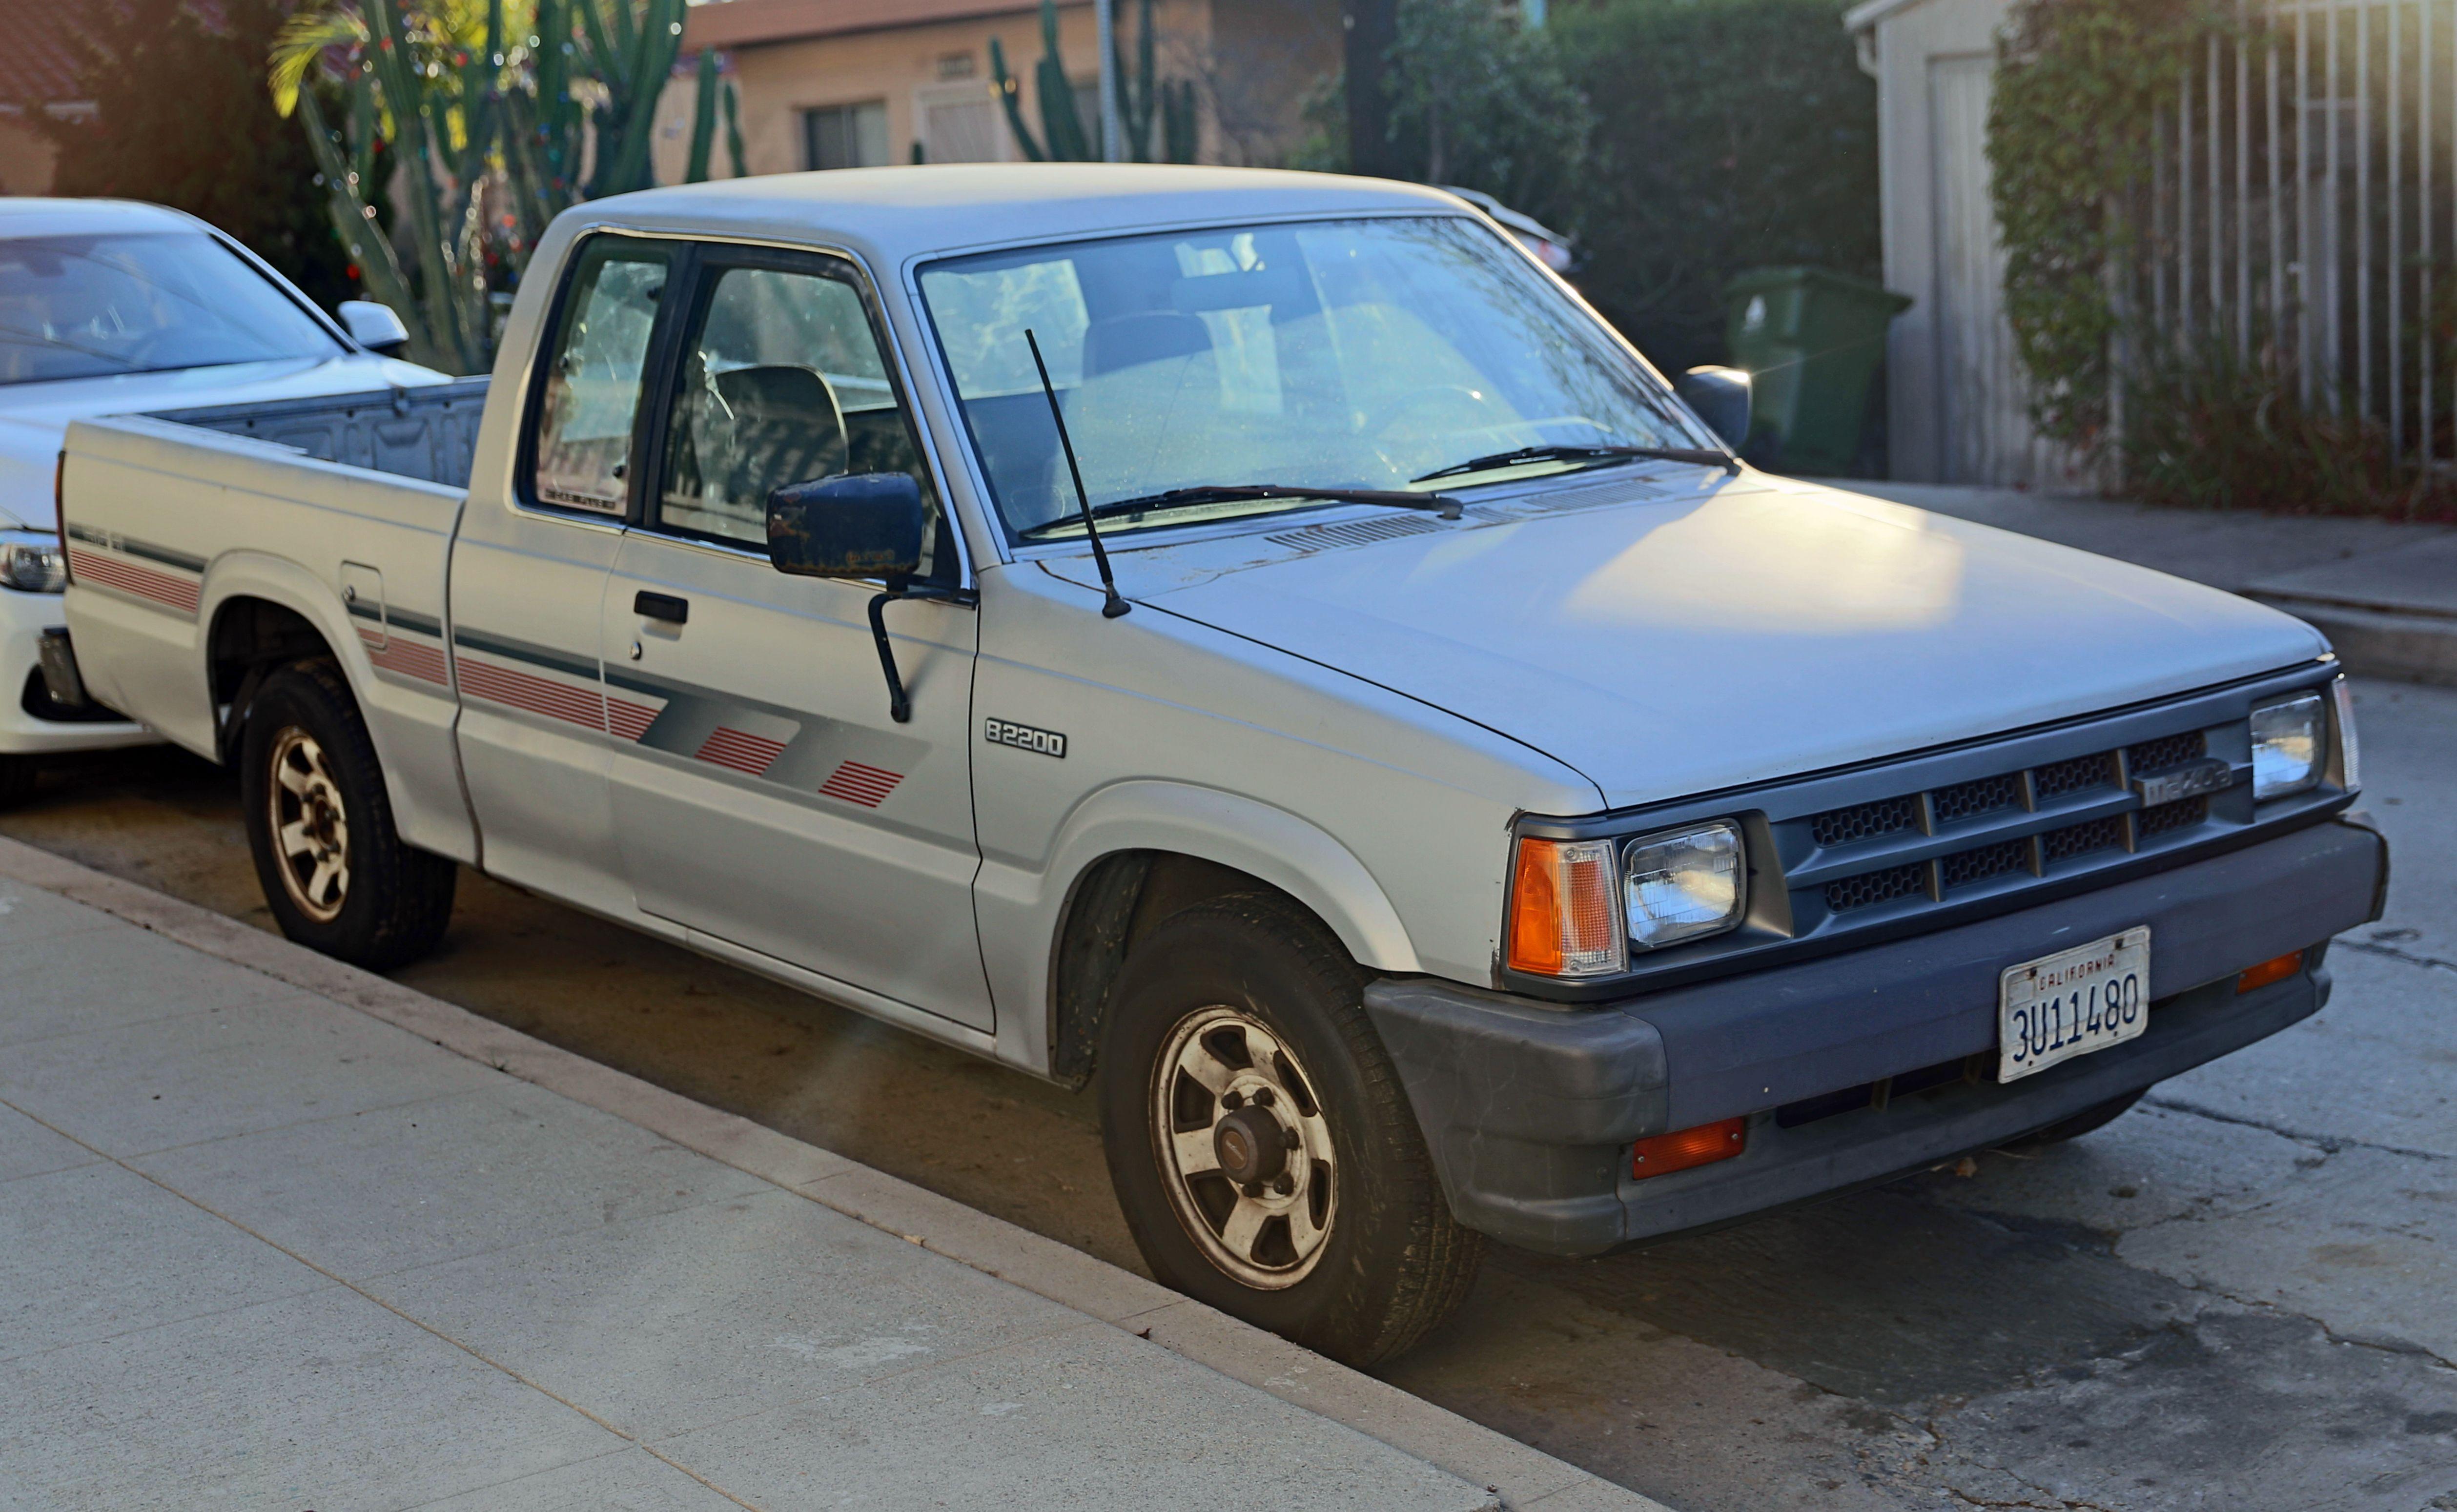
x=763 y=793
x=528 y=583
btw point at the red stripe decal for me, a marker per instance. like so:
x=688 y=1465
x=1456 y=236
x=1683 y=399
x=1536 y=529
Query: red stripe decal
x=143 y=582
x=426 y=663
x=627 y=719
x=741 y=750
x=519 y=690
x=856 y=784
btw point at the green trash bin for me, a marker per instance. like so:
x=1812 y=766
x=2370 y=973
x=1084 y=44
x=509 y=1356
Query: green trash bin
x=1811 y=341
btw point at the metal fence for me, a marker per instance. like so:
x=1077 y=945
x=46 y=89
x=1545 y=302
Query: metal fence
x=2303 y=210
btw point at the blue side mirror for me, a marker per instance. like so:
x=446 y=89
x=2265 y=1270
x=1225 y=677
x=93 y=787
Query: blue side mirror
x=855 y=525
x=1720 y=396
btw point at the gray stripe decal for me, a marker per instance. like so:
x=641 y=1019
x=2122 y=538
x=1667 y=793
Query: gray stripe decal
x=139 y=548
x=361 y=610
x=415 y=624
x=521 y=650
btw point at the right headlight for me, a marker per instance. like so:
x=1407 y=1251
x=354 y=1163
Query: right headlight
x=2290 y=739
x=32 y=562
x=1683 y=885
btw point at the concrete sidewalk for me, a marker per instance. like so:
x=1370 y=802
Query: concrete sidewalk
x=271 y=1244
x=2384 y=592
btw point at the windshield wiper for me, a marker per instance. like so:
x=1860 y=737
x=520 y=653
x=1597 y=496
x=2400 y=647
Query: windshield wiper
x=1440 y=504
x=1700 y=455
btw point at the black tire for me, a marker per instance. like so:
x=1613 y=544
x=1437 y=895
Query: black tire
x=386 y=903
x=18 y=775
x=2087 y=1120
x=1386 y=1262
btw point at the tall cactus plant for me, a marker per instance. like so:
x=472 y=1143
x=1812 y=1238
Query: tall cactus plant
x=1145 y=101
x=488 y=129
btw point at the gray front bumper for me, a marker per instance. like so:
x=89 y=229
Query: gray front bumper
x=1530 y=1108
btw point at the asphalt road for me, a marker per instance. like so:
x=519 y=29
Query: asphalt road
x=2241 y=1296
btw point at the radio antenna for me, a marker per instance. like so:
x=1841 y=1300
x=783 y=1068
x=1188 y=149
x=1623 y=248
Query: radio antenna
x=1115 y=606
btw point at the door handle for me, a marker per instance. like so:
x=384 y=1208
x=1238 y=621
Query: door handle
x=661 y=605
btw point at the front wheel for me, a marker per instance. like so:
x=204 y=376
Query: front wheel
x=334 y=872
x=1262 y=1148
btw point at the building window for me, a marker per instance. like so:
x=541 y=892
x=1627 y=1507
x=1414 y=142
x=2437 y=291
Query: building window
x=846 y=136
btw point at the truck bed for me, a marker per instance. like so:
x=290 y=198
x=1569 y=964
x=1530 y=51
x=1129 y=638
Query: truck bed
x=425 y=433
x=189 y=527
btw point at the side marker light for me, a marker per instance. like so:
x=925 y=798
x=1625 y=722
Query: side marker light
x=1684 y=1147
x=2269 y=971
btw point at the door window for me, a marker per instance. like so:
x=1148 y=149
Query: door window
x=783 y=381
x=590 y=399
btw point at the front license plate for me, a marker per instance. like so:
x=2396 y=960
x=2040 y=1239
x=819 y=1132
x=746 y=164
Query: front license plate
x=2071 y=1002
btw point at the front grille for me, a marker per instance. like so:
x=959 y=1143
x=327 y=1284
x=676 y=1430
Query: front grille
x=1970 y=799
x=1869 y=888
x=2080 y=839
x=1866 y=839
x=2167 y=750
x=1866 y=822
x=2078 y=774
x=2167 y=818
x=1963 y=868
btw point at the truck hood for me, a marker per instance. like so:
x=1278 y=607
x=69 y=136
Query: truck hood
x=1698 y=631
x=33 y=417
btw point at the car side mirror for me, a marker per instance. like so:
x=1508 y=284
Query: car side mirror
x=855 y=525
x=1720 y=396
x=373 y=326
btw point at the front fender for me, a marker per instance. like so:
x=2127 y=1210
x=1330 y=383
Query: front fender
x=1020 y=913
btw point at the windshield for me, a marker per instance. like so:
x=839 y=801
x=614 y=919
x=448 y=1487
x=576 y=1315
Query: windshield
x=1358 y=353
x=91 y=306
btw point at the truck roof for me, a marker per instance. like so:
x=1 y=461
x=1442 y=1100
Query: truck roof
x=87 y=218
x=895 y=214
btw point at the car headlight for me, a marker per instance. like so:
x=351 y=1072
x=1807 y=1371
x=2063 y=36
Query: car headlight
x=1681 y=884
x=2289 y=738
x=32 y=562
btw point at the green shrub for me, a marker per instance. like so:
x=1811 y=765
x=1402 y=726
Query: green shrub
x=1729 y=134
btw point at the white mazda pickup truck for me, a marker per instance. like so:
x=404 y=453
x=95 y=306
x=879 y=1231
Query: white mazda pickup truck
x=1258 y=644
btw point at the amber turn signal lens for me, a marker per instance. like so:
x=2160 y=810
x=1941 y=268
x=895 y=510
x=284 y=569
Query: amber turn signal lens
x=2269 y=971
x=1562 y=922
x=1684 y=1147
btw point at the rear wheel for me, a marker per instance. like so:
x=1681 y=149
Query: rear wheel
x=333 y=871
x=2087 y=1120
x=1263 y=1149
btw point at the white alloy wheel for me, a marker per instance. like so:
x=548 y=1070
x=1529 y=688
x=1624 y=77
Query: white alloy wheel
x=310 y=826
x=1243 y=1147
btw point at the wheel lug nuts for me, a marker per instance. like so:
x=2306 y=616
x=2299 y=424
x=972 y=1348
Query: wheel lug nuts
x=1254 y=1189
x=1286 y=1185
x=1231 y=1101
x=1289 y=1137
x=1263 y=1096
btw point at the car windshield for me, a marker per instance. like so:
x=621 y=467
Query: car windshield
x=1356 y=354
x=91 y=306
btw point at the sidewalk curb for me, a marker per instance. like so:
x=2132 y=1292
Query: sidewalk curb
x=2371 y=642
x=1521 y=1477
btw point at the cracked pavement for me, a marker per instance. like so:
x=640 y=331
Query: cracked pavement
x=2242 y=1295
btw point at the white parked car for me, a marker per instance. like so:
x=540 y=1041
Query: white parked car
x=1447 y=796
x=108 y=306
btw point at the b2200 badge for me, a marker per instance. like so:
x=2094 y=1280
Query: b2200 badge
x=1024 y=738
